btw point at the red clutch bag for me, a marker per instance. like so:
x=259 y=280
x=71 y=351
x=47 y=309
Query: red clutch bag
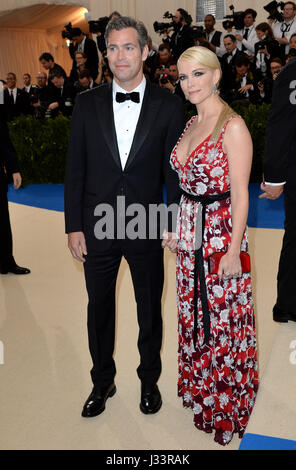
x=214 y=261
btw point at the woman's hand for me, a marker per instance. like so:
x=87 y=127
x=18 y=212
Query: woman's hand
x=230 y=266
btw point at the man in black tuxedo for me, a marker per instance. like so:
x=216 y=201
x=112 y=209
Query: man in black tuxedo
x=280 y=175
x=16 y=101
x=8 y=168
x=80 y=42
x=227 y=83
x=121 y=138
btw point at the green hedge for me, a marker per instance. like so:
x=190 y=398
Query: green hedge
x=41 y=145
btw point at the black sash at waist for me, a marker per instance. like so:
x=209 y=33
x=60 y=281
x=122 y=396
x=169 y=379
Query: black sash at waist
x=199 y=272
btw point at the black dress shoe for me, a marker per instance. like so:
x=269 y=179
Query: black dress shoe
x=281 y=316
x=95 y=404
x=15 y=269
x=150 y=399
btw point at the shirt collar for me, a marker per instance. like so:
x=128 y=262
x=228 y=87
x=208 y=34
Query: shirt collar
x=140 y=88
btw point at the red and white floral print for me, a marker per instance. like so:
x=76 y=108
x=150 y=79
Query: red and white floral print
x=218 y=380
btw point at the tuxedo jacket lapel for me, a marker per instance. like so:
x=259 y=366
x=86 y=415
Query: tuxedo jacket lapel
x=148 y=112
x=104 y=108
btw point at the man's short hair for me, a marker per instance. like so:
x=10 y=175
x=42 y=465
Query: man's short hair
x=27 y=75
x=163 y=46
x=124 y=22
x=212 y=16
x=277 y=60
x=250 y=11
x=84 y=74
x=242 y=59
x=290 y=3
x=13 y=74
x=46 y=56
x=55 y=73
x=76 y=32
x=231 y=36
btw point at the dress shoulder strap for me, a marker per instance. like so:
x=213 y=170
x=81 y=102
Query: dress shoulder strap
x=226 y=115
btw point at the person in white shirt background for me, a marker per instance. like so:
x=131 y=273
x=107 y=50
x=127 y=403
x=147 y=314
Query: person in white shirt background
x=283 y=30
x=247 y=37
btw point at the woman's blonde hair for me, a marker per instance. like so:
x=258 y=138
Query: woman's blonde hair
x=202 y=56
x=206 y=58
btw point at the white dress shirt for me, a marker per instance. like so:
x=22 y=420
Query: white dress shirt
x=250 y=42
x=232 y=54
x=279 y=28
x=80 y=47
x=126 y=116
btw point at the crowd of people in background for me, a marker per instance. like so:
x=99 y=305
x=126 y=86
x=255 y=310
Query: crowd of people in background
x=250 y=59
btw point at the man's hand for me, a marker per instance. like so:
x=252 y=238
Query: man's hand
x=239 y=37
x=270 y=191
x=77 y=245
x=17 y=180
x=53 y=105
x=169 y=240
x=245 y=88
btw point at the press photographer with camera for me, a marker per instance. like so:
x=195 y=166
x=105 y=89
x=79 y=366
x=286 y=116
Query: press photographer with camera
x=63 y=98
x=82 y=43
x=211 y=38
x=181 y=38
x=48 y=63
x=247 y=37
x=283 y=30
x=265 y=49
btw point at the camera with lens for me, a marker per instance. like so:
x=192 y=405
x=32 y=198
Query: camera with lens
x=165 y=78
x=162 y=27
x=67 y=31
x=198 y=32
x=274 y=13
x=98 y=26
x=235 y=20
x=264 y=42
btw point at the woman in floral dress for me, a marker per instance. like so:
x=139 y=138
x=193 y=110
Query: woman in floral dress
x=218 y=375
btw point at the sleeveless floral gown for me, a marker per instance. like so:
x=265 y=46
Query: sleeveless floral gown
x=217 y=379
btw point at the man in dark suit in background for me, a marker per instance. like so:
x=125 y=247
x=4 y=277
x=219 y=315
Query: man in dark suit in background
x=227 y=83
x=280 y=175
x=16 y=101
x=121 y=138
x=8 y=168
x=80 y=42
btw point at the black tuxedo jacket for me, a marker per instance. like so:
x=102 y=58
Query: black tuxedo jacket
x=8 y=157
x=280 y=142
x=94 y=173
x=21 y=105
x=228 y=71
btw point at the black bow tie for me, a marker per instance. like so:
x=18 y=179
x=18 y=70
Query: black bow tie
x=121 y=97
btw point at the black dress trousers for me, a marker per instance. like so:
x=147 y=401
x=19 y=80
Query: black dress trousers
x=6 y=257
x=147 y=271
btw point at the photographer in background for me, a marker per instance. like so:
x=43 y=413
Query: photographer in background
x=85 y=81
x=42 y=95
x=48 y=63
x=213 y=40
x=82 y=43
x=247 y=37
x=182 y=38
x=265 y=86
x=265 y=49
x=283 y=30
x=64 y=95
